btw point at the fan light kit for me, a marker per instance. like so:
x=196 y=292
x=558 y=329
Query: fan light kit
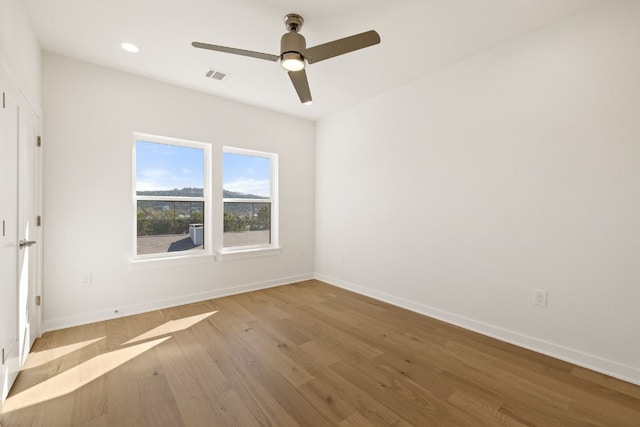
x=292 y=61
x=294 y=53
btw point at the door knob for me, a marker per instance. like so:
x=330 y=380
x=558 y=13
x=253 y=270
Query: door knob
x=26 y=243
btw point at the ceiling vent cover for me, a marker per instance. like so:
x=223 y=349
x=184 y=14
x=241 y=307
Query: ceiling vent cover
x=216 y=75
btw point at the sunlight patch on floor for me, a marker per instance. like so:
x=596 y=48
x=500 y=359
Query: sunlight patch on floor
x=39 y=358
x=171 y=327
x=78 y=376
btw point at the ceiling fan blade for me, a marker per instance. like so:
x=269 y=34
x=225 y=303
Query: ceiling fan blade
x=341 y=46
x=301 y=84
x=235 y=51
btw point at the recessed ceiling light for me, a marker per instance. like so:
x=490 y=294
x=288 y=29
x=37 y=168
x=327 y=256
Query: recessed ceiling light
x=130 y=47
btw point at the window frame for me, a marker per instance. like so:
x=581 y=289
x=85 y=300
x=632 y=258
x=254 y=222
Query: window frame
x=234 y=252
x=186 y=257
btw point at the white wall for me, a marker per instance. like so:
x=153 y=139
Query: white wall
x=19 y=50
x=91 y=113
x=517 y=169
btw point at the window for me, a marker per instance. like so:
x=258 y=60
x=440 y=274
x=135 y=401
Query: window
x=250 y=220
x=172 y=197
x=173 y=184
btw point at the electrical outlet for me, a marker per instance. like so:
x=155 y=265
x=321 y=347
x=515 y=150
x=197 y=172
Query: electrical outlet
x=87 y=280
x=540 y=297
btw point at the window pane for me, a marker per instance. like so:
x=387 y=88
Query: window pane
x=169 y=170
x=246 y=177
x=247 y=223
x=164 y=171
x=169 y=226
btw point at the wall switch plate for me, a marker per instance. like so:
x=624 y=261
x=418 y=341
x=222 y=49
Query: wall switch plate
x=540 y=297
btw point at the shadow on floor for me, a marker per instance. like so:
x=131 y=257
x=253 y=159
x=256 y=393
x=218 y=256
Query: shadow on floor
x=182 y=245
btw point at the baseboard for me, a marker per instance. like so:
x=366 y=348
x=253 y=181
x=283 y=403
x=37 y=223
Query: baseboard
x=589 y=361
x=112 y=313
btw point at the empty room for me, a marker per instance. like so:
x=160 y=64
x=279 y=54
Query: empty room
x=356 y=213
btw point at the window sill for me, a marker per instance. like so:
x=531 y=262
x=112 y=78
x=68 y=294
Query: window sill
x=163 y=262
x=231 y=255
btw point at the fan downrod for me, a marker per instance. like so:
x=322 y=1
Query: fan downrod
x=293 y=22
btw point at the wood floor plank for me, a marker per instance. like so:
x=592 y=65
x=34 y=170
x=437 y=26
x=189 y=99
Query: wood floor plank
x=124 y=406
x=306 y=354
x=101 y=421
x=196 y=374
x=361 y=399
x=543 y=393
x=482 y=412
x=164 y=414
x=607 y=384
x=196 y=410
x=91 y=402
x=355 y=420
x=55 y=413
x=231 y=411
x=267 y=349
x=410 y=401
x=256 y=397
x=324 y=398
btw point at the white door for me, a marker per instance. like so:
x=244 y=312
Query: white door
x=20 y=234
x=8 y=237
x=28 y=233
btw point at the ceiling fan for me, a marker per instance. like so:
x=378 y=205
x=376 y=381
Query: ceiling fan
x=294 y=52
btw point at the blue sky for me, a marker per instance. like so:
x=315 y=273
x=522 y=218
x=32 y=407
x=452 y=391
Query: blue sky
x=165 y=167
x=246 y=174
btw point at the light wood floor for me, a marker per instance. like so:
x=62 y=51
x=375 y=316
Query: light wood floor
x=306 y=354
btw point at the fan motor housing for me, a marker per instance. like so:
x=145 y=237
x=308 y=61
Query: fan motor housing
x=292 y=42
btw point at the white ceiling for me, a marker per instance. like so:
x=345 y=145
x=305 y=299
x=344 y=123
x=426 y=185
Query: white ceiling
x=418 y=38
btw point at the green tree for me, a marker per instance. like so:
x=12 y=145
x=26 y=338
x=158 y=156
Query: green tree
x=262 y=220
x=233 y=222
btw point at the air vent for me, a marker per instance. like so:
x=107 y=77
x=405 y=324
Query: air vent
x=216 y=75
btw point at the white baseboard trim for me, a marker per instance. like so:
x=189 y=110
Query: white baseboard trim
x=115 y=312
x=589 y=361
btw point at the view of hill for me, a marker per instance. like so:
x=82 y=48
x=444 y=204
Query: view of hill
x=197 y=192
x=234 y=195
